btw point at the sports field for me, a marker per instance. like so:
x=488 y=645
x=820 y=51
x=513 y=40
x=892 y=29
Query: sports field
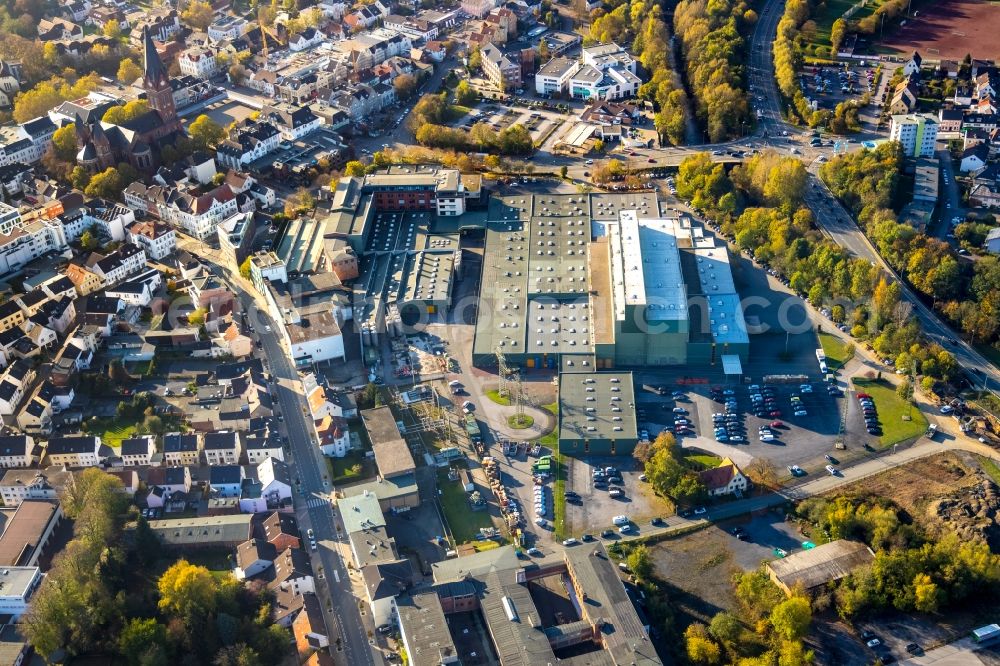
x=950 y=29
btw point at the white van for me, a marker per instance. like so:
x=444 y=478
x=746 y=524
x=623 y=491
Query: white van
x=620 y=520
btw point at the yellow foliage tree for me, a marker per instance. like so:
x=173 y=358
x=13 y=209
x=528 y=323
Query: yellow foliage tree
x=186 y=590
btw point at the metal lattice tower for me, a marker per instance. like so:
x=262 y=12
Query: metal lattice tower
x=517 y=396
x=504 y=371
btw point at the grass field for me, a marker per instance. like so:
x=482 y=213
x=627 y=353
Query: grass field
x=218 y=561
x=703 y=460
x=495 y=396
x=834 y=10
x=837 y=351
x=463 y=521
x=113 y=430
x=341 y=469
x=525 y=421
x=990 y=468
x=892 y=412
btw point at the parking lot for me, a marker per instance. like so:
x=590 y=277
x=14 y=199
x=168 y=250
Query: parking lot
x=595 y=508
x=539 y=122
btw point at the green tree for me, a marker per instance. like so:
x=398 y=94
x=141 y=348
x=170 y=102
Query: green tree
x=791 y=618
x=699 y=647
x=79 y=177
x=106 y=184
x=198 y=15
x=355 y=168
x=563 y=170
x=88 y=241
x=205 y=132
x=299 y=202
x=128 y=71
x=64 y=142
x=139 y=635
x=905 y=390
x=238 y=74
x=837 y=33
x=725 y=628
x=464 y=94
x=639 y=562
x=187 y=591
x=475 y=60
x=120 y=115
x=154 y=425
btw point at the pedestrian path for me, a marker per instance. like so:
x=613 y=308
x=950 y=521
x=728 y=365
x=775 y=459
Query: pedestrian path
x=314 y=502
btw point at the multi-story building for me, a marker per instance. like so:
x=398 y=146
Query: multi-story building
x=916 y=133
x=502 y=71
x=180 y=449
x=222 y=448
x=196 y=214
x=78 y=451
x=227 y=27
x=18 y=485
x=247 y=143
x=17 y=584
x=370 y=49
x=138 y=450
x=157 y=239
x=18 y=451
x=292 y=122
x=263 y=444
x=123 y=262
x=478 y=8
x=199 y=62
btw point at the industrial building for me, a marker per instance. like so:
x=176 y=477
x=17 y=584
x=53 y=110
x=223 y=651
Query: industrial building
x=809 y=569
x=607 y=275
x=597 y=413
x=599 y=624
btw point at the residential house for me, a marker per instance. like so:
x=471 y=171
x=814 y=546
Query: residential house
x=196 y=213
x=18 y=485
x=384 y=581
x=199 y=62
x=502 y=71
x=58 y=29
x=917 y=133
x=222 y=448
x=157 y=239
x=75 y=451
x=292 y=122
x=281 y=530
x=137 y=451
x=14 y=383
x=904 y=98
x=306 y=39
x=275 y=480
x=129 y=479
x=975 y=158
x=262 y=445
x=478 y=8
x=309 y=628
x=226 y=480
x=726 y=479
x=123 y=262
x=18 y=451
x=292 y=572
x=247 y=143
x=138 y=290
x=10 y=82
x=36 y=414
x=333 y=436
x=912 y=66
x=253 y=557
x=180 y=449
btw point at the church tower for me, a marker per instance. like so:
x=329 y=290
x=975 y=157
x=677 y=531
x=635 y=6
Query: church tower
x=156 y=83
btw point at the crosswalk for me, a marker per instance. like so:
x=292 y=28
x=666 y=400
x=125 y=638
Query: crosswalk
x=314 y=502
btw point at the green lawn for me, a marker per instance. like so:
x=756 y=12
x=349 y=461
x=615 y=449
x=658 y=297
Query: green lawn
x=990 y=468
x=341 y=469
x=113 y=430
x=837 y=351
x=552 y=408
x=892 y=412
x=525 y=421
x=834 y=10
x=991 y=353
x=495 y=396
x=218 y=561
x=703 y=460
x=463 y=521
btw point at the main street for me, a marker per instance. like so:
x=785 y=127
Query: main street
x=347 y=627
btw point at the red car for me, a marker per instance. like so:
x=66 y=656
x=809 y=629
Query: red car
x=777 y=424
x=652 y=160
x=862 y=396
x=775 y=414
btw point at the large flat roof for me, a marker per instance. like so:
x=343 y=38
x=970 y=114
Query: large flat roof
x=816 y=566
x=194 y=531
x=650 y=266
x=425 y=629
x=361 y=513
x=23 y=532
x=597 y=405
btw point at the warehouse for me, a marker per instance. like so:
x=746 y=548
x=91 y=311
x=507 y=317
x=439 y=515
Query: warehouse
x=596 y=413
x=809 y=569
x=604 y=274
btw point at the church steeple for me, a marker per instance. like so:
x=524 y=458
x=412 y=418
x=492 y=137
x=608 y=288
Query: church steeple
x=156 y=83
x=154 y=73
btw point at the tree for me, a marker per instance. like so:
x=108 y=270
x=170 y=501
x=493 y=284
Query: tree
x=725 y=628
x=79 y=177
x=47 y=94
x=598 y=146
x=106 y=184
x=88 y=241
x=187 y=591
x=475 y=60
x=112 y=29
x=198 y=15
x=405 y=85
x=762 y=472
x=299 y=202
x=119 y=115
x=639 y=562
x=205 y=132
x=138 y=636
x=926 y=595
x=154 y=424
x=238 y=74
x=355 y=168
x=837 y=33
x=699 y=647
x=128 y=71
x=245 y=268
x=791 y=618
x=197 y=317
x=64 y=142
x=905 y=390
x=464 y=94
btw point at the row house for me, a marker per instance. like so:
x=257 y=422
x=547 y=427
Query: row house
x=367 y=50
x=165 y=483
x=292 y=122
x=222 y=448
x=180 y=449
x=29 y=241
x=366 y=16
x=162 y=24
x=361 y=101
x=18 y=451
x=196 y=214
x=306 y=39
x=263 y=444
x=137 y=451
x=14 y=384
x=78 y=451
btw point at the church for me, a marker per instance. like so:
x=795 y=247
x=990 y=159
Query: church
x=102 y=145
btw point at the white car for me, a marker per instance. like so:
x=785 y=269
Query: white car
x=806 y=388
x=570 y=542
x=620 y=520
x=832 y=470
x=467 y=407
x=267 y=328
x=947 y=409
x=541 y=522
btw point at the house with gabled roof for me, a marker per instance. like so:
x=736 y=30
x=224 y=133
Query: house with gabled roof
x=726 y=479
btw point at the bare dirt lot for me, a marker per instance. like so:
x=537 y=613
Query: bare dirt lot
x=951 y=29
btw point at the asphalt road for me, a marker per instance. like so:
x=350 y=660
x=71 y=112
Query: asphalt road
x=344 y=621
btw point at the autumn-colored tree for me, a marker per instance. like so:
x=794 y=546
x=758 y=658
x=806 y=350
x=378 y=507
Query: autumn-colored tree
x=128 y=71
x=198 y=15
x=205 y=132
x=187 y=591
